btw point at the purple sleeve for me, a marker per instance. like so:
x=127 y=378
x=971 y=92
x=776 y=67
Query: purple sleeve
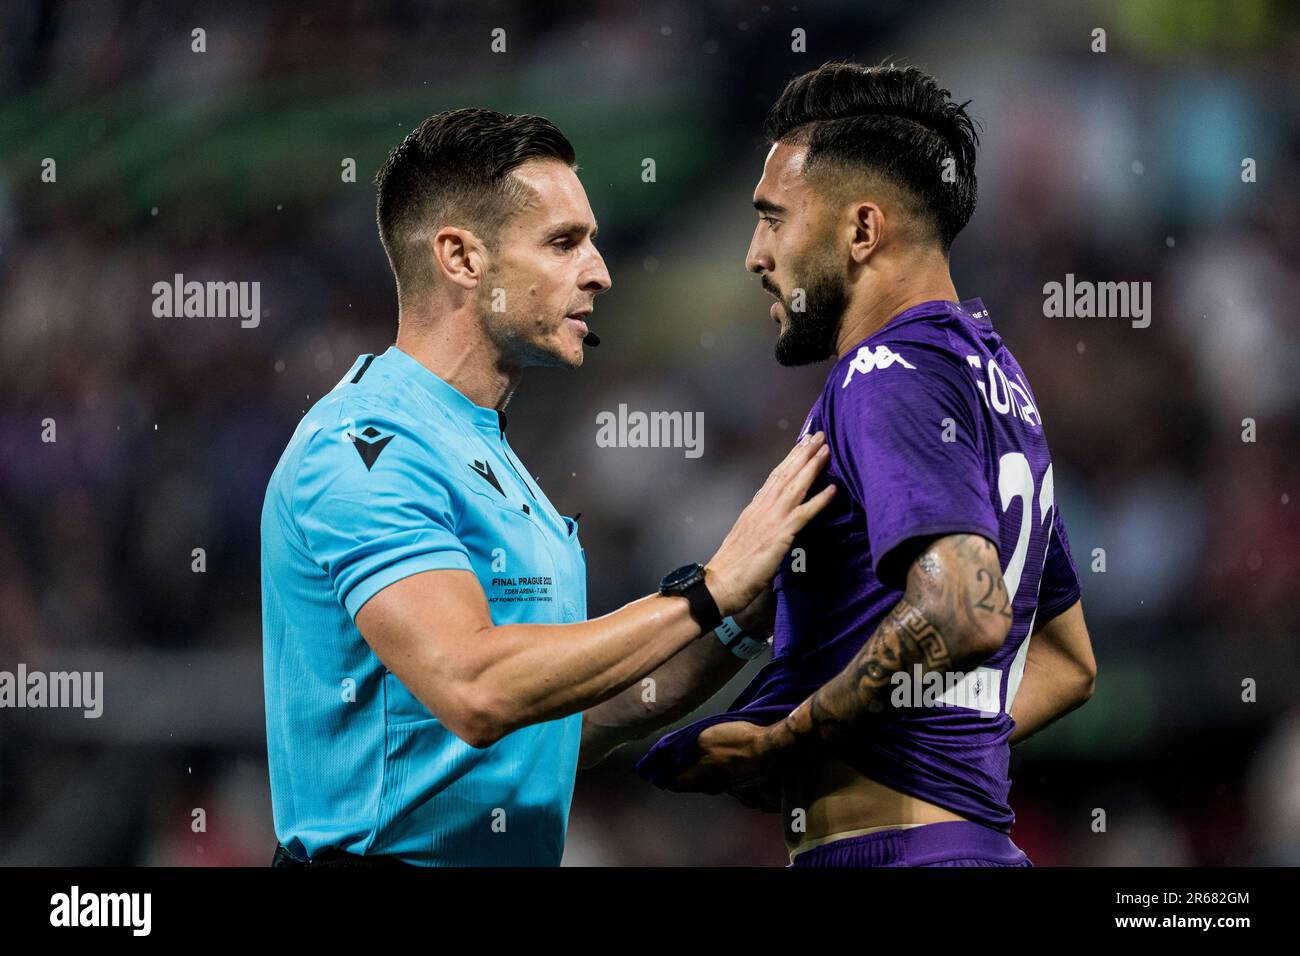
x=908 y=439
x=1060 y=584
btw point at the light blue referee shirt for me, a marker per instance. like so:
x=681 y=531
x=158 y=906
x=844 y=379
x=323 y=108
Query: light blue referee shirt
x=392 y=473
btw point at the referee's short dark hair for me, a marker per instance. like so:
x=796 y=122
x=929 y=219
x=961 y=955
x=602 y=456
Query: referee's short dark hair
x=454 y=169
x=895 y=123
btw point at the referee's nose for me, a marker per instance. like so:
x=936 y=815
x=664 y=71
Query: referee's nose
x=595 y=278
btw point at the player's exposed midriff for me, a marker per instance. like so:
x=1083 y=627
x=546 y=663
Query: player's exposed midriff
x=836 y=798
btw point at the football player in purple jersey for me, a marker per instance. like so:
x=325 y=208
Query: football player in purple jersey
x=930 y=617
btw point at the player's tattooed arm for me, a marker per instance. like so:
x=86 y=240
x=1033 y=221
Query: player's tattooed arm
x=954 y=614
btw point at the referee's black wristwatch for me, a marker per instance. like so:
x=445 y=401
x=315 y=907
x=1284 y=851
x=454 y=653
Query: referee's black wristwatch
x=688 y=582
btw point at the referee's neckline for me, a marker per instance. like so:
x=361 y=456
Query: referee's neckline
x=446 y=393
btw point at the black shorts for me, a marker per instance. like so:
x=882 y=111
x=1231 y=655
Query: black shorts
x=332 y=857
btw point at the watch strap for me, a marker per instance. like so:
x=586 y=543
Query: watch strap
x=703 y=608
x=734 y=639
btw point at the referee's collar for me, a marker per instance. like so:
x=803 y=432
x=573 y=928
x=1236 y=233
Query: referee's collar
x=488 y=419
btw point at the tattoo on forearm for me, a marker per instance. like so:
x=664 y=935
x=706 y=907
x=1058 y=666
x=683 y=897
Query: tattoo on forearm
x=959 y=581
x=904 y=638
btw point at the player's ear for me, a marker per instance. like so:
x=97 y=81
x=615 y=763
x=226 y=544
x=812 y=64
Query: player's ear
x=868 y=227
x=461 y=258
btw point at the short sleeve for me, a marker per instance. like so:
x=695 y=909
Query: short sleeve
x=374 y=506
x=1059 y=588
x=907 y=433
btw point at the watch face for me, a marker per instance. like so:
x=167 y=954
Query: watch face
x=682 y=577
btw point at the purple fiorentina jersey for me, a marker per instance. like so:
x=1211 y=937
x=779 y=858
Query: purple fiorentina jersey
x=933 y=430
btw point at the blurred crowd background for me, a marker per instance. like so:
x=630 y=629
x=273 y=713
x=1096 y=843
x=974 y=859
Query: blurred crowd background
x=226 y=165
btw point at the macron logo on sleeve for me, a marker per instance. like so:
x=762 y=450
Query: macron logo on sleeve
x=867 y=359
x=369 y=450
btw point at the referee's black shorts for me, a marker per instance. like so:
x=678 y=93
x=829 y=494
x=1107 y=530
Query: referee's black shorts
x=333 y=857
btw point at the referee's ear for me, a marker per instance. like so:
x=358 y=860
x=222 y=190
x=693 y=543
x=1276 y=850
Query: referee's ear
x=461 y=257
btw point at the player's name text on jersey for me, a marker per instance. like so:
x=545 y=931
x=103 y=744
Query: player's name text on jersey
x=1002 y=394
x=637 y=429
x=74 y=690
x=1098 y=300
x=208 y=300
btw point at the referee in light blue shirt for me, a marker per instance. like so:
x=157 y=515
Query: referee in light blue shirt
x=391 y=474
x=426 y=650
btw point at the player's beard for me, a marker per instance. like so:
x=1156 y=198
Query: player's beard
x=810 y=335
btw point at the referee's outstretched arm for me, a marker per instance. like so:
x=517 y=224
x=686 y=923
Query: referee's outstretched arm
x=682 y=683
x=434 y=631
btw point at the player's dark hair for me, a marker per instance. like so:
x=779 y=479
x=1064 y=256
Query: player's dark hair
x=455 y=169
x=895 y=122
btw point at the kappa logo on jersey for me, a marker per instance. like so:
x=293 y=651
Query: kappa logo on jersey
x=369 y=450
x=866 y=360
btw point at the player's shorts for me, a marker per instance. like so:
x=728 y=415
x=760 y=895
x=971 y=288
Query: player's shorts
x=955 y=843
